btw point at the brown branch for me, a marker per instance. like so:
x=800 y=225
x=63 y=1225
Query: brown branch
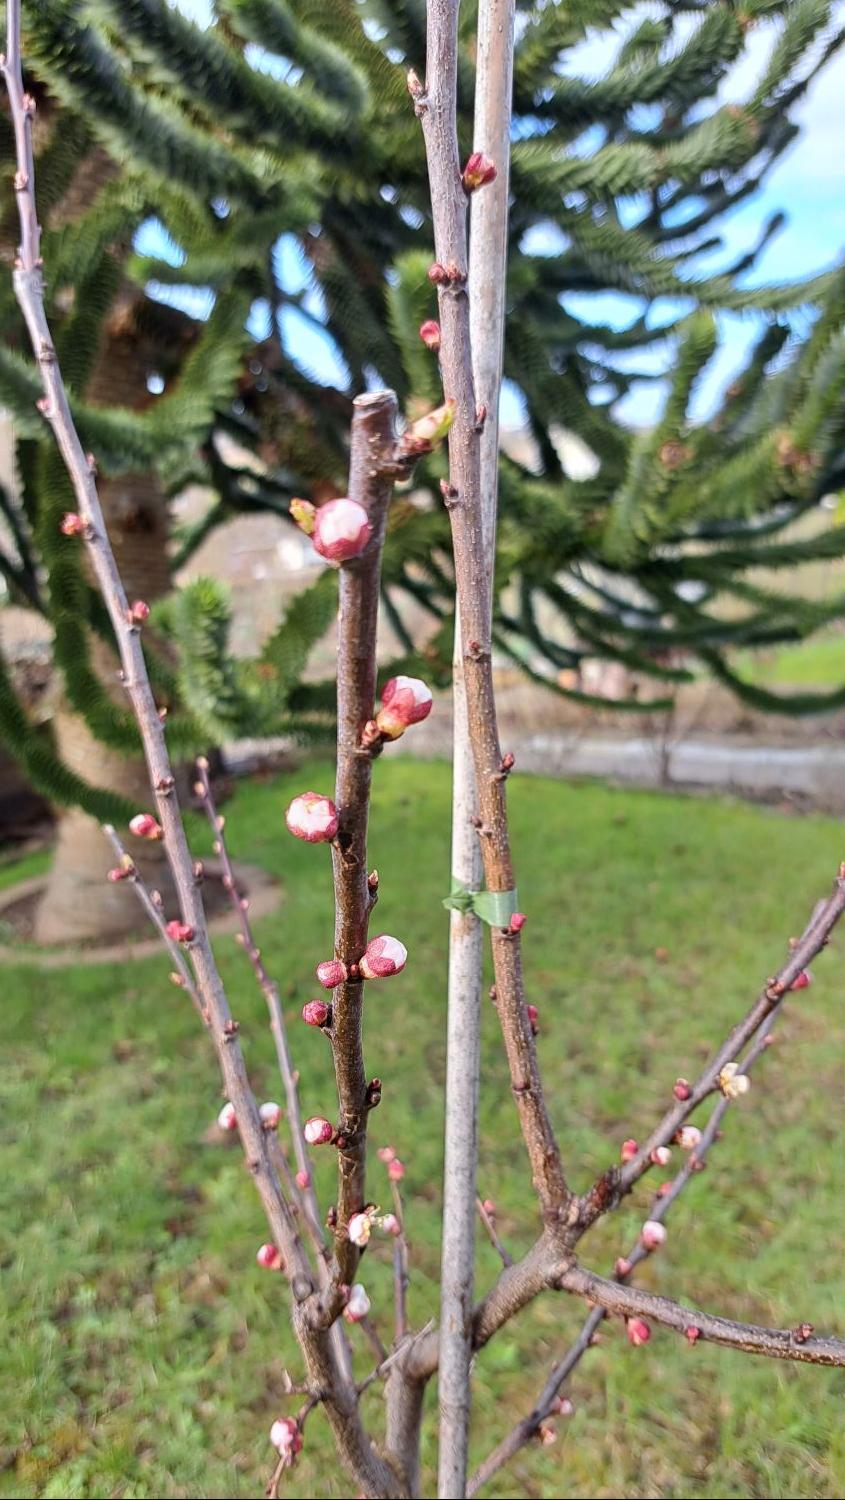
x=375 y=1475
x=270 y=990
x=437 y=107
x=493 y=1234
x=775 y=1343
x=371 y=452
x=615 y=1183
x=182 y=974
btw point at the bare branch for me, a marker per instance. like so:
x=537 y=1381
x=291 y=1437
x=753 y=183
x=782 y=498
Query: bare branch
x=489 y=1223
x=625 y=1301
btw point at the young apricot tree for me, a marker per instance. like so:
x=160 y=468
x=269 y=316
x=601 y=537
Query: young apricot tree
x=328 y=1297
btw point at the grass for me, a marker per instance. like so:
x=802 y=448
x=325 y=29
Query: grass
x=818 y=662
x=141 y=1349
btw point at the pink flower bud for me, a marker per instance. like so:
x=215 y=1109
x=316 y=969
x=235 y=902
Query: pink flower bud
x=312 y=818
x=404 y=701
x=145 y=826
x=802 y=980
x=653 y=1234
x=180 y=932
x=341 y=530
x=138 y=612
x=518 y=921
x=622 y=1268
x=72 y=524
x=396 y=1170
x=629 y=1150
x=316 y=1012
x=359 y=1229
x=665 y=1189
x=383 y=957
x=563 y=1406
x=478 y=171
x=437 y=274
x=227 y=1119
x=120 y=872
x=304 y=514
x=489 y=1207
x=430 y=334
x=546 y=1434
x=318 y=1131
x=638 y=1331
x=661 y=1156
x=386 y=1153
x=422 y=435
x=331 y=973
x=270 y=1114
x=682 y=1090
x=286 y=1436
x=533 y=1018
x=303 y=1180
x=358 y=1304
x=390 y=1224
x=692 y=1334
x=688 y=1137
x=269 y=1257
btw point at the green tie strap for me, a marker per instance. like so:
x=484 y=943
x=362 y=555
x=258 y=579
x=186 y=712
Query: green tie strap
x=493 y=907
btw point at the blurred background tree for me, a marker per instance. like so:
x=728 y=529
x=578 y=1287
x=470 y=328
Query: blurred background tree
x=238 y=241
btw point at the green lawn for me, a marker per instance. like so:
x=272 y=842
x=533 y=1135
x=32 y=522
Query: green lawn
x=816 y=663
x=142 y=1350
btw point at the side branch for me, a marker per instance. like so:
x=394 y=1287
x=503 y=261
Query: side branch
x=797 y=1344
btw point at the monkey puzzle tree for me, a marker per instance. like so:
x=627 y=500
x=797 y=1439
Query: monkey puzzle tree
x=279 y=134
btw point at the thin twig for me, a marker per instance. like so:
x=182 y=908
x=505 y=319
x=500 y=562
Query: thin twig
x=493 y=1234
x=400 y=1267
x=183 y=973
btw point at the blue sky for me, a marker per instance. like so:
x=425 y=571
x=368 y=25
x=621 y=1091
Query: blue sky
x=808 y=184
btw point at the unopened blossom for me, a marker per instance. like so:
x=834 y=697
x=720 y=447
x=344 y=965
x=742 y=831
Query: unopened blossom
x=518 y=921
x=430 y=334
x=286 y=1437
x=622 y=1268
x=358 y=1304
x=653 y=1234
x=638 y=1331
x=546 y=1434
x=390 y=1224
x=563 y=1406
x=304 y=514
x=396 y=1169
x=145 y=826
x=318 y=1131
x=138 y=612
x=422 y=435
x=316 y=1012
x=692 y=1334
x=269 y=1257
x=802 y=980
x=732 y=1082
x=121 y=872
x=180 y=932
x=629 y=1150
x=404 y=701
x=478 y=171
x=332 y=973
x=359 y=1229
x=303 y=1180
x=341 y=530
x=533 y=1015
x=688 y=1137
x=386 y=1153
x=437 y=274
x=661 y=1156
x=270 y=1114
x=227 y=1119
x=312 y=817
x=72 y=524
x=682 y=1090
x=383 y=957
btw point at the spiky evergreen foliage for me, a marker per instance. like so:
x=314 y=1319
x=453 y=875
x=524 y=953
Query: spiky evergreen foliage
x=283 y=132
